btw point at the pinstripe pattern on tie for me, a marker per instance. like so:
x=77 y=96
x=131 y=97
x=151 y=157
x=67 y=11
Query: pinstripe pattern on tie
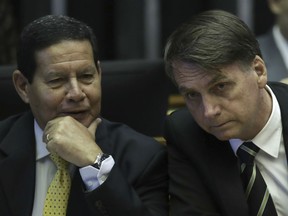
x=258 y=197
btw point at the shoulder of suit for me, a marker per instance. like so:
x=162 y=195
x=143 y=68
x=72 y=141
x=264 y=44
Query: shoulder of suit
x=122 y=134
x=182 y=122
x=7 y=124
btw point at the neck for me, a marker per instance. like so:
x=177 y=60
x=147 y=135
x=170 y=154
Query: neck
x=266 y=107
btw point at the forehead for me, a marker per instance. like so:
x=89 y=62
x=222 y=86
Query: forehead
x=189 y=75
x=66 y=50
x=188 y=71
x=66 y=57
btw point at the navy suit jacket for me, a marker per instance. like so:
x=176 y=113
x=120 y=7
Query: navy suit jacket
x=204 y=172
x=273 y=59
x=137 y=184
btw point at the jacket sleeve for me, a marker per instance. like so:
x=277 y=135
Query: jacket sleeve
x=128 y=195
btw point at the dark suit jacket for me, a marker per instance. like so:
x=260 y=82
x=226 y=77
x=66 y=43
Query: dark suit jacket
x=273 y=59
x=137 y=184
x=204 y=172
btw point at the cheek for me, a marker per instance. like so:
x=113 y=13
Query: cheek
x=51 y=98
x=44 y=107
x=46 y=101
x=95 y=103
x=94 y=96
x=41 y=95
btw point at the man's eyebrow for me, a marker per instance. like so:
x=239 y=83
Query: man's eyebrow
x=53 y=73
x=184 y=89
x=218 y=77
x=89 y=69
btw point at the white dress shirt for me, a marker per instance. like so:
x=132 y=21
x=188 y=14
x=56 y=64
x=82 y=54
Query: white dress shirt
x=271 y=159
x=46 y=169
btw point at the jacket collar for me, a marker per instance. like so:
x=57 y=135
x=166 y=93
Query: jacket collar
x=280 y=90
x=19 y=148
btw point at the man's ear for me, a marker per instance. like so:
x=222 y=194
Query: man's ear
x=261 y=71
x=21 y=85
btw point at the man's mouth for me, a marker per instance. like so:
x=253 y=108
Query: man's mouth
x=220 y=125
x=75 y=114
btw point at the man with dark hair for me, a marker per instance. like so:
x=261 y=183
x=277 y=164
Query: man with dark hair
x=226 y=150
x=62 y=157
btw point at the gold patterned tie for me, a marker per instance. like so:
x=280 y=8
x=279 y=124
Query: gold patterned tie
x=58 y=192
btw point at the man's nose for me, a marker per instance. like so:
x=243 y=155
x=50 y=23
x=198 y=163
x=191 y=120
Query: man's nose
x=74 y=91
x=211 y=107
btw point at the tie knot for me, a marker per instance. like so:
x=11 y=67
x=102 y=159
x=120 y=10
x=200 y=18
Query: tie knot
x=60 y=163
x=247 y=152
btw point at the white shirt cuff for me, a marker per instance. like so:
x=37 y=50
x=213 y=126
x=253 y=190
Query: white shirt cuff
x=93 y=177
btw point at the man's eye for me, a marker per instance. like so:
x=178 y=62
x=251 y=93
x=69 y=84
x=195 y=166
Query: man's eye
x=191 y=95
x=221 y=86
x=55 y=82
x=87 y=77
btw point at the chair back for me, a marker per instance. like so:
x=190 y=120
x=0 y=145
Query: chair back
x=11 y=103
x=135 y=92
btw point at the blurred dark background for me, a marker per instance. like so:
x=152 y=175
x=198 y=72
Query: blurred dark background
x=126 y=29
x=131 y=37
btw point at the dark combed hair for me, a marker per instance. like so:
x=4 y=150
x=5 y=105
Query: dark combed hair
x=46 y=31
x=211 y=40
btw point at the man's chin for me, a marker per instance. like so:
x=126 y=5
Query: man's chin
x=223 y=136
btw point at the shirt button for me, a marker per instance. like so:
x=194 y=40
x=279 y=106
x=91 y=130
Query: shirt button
x=90 y=183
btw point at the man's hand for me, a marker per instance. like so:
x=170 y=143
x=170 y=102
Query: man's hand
x=72 y=141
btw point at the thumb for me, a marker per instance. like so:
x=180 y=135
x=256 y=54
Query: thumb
x=93 y=126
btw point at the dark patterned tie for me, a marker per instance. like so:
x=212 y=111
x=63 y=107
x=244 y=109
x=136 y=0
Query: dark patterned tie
x=256 y=191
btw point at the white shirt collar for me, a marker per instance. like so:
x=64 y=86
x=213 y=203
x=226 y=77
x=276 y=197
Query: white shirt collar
x=281 y=43
x=41 y=150
x=269 y=138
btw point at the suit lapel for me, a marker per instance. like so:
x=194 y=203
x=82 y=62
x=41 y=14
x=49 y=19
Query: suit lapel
x=285 y=128
x=77 y=204
x=18 y=177
x=225 y=173
x=281 y=94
